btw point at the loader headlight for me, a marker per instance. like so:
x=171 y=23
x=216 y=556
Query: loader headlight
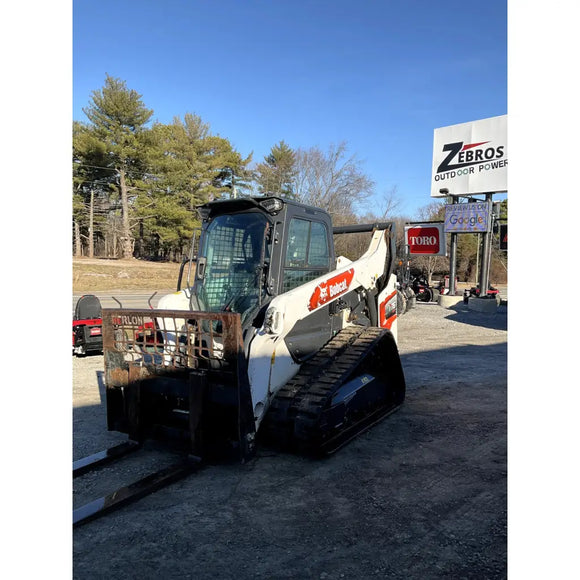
x=272 y=205
x=274 y=321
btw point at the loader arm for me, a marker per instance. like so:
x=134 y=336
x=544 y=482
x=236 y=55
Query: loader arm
x=273 y=359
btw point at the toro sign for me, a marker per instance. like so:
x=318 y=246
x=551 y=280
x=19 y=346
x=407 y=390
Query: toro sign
x=425 y=239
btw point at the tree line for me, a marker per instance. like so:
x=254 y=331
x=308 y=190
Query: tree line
x=136 y=182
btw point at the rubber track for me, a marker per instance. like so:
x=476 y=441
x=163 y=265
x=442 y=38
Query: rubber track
x=314 y=401
x=278 y=426
x=293 y=417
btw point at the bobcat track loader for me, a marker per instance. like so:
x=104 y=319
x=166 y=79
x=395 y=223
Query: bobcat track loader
x=271 y=335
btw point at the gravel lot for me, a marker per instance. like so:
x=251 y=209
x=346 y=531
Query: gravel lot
x=421 y=495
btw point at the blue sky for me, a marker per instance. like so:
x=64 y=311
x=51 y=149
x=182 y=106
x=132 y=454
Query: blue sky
x=378 y=75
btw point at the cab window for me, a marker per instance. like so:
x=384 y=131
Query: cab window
x=307 y=253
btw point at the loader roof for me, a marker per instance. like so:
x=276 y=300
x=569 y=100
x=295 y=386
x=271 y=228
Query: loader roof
x=271 y=204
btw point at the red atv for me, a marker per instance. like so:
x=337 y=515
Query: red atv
x=474 y=291
x=87 y=335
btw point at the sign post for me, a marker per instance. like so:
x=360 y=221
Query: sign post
x=452 y=257
x=485 y=262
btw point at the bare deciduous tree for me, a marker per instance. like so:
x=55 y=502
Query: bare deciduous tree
x=331 y=180
x=429 y=264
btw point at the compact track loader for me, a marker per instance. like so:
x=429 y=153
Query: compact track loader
x=271 y=335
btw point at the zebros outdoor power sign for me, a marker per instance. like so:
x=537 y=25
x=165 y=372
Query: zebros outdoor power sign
x=425 y=240
x=470 y=158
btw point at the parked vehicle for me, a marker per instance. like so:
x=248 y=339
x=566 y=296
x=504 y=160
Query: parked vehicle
x=475 y=292
x=87 y=325
x=424 y=292
x=274 y=337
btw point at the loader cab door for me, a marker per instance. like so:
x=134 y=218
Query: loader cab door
x=308 y=255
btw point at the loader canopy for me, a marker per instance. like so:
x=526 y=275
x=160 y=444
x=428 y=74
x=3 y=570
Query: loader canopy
x=231 y=263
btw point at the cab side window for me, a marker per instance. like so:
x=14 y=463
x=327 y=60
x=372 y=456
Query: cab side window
x=307 y=253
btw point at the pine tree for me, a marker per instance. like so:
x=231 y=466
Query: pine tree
x=276 y=174
x=189 y=167
x=92 y=180
x=118 y=119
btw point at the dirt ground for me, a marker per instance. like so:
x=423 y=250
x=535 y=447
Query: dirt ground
x=92 y=275
x=421 y=495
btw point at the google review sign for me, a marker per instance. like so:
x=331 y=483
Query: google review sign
x=467 y=217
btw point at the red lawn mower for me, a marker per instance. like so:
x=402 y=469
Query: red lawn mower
x=87 y=335
x=422 y=290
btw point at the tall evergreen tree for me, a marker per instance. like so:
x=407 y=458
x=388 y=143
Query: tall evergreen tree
x=92 y=181
x=189 y=167
x=276 y=174
x=119 y=118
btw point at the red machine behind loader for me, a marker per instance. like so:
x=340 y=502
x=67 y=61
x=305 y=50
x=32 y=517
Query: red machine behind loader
x=87 y=326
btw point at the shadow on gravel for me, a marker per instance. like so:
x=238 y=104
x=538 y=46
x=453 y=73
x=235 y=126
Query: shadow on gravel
x=458 y=364
x=423 y=494
x=493 y=321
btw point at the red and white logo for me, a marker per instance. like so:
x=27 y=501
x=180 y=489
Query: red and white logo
x=425 y=240
x=330 y=289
